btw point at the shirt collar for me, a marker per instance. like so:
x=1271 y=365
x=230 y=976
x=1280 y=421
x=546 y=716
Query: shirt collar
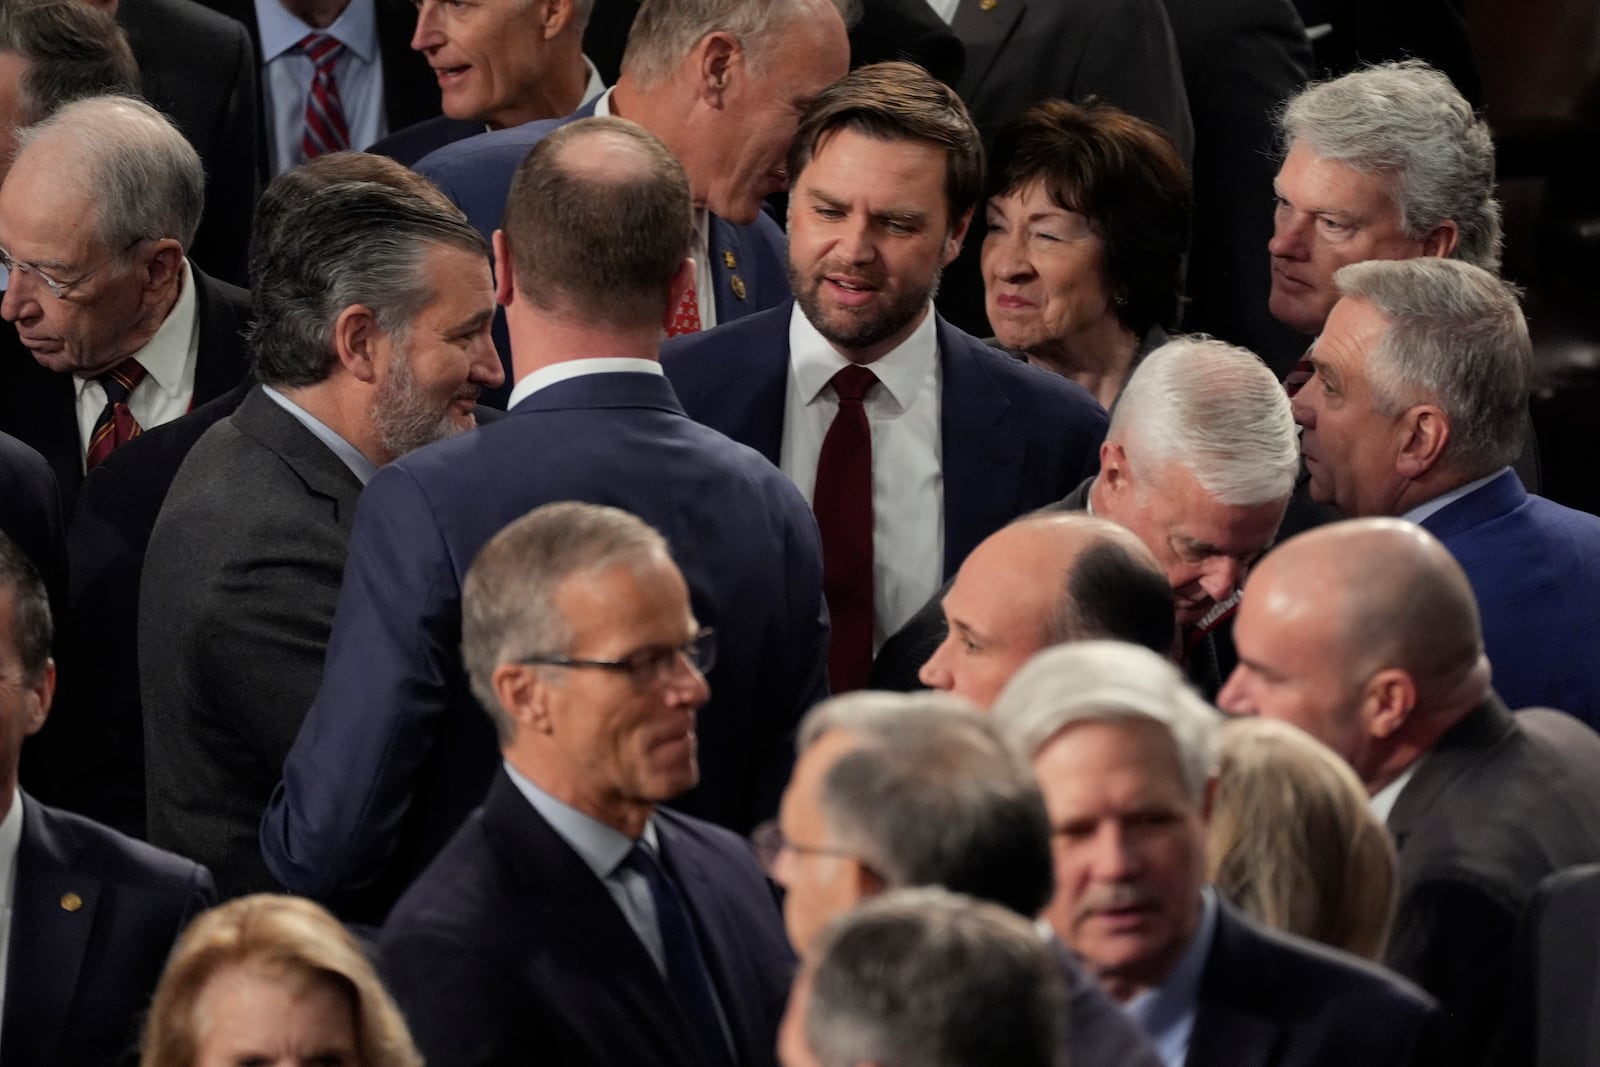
x=1166 y=1013
x=352 y=457
x=596 y=86
x=602 y=103
x=547 y=376
x=10 y=841
x=356 y=28
x=903 y=370
x=602 y=848
x=1444 y=500
x=164 y=356
x=1384 y=800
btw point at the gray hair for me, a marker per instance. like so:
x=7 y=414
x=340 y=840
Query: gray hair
x=30 y=627
x=344 y=244
x=73 y=50
x=1457 y=338
x=1107 y=681
x=145 y=178
x=1216 y=410
x=664 y=31
x=932 y=796
x=508 y=599
x=1406 y=120
x=901 y=980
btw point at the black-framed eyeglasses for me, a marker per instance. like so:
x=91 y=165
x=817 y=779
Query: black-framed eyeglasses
x=769 y=843
x=57 y=288
x=653 y=665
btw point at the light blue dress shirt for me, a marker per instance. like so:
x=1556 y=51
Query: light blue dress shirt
x=352 y=457
x=1166 y=1013
x=286 y=75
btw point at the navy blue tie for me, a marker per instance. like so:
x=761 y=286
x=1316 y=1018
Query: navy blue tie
x=687 y=975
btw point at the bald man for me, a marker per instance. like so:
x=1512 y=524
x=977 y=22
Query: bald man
x=1041 y=581
x=1366 y=634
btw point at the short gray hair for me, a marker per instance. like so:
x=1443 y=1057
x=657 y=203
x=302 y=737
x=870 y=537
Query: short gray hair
x=145 y=179
x=1457 y=338
x=932 y=796
x=664 y=31
x=1407 y=121
x=329 y=248
x=73 y=50
x=900 y=980
x=1108 y=681
x=1216 y=410
x=508 y=600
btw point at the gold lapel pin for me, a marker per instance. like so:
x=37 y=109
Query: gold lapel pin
x=71 y=902
x=728 y=260
x=989 y=5
x=738 y=286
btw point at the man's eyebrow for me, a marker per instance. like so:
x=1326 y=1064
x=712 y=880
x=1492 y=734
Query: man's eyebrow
x=966 y=631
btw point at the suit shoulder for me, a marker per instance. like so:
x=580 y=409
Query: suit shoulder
x=738 y=339
x=485 y=149
x=183 y=17
x=108 y=854
x=1020 y=381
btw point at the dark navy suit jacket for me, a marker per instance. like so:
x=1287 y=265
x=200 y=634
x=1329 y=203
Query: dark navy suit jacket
x=395 y=751
x=1015 y=438
x=510 y=950
x=94 y=916
x=1535 y=569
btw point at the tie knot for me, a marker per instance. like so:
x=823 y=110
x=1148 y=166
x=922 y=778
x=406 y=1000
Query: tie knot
x=321 y=49
x=852 y=383
x=121 y=380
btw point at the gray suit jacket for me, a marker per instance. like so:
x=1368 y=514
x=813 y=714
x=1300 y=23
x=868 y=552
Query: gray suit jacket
x=235 y=610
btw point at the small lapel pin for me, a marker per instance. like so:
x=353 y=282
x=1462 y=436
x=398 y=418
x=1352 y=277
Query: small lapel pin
x=989 y=5
x=738 y=286
x=71 y=902
x=728 y=260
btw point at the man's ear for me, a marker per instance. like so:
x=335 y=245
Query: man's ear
x=867 y=882
x=505 y=275
x=1113 y=468
x=523 y=693
x=1391 y=695
x=958 y=234
x=1426 y=430
x=554 y=17
x=718 y=55
x=1442 y=240
x=161 y=265
x=39 y=697
x=359 y=342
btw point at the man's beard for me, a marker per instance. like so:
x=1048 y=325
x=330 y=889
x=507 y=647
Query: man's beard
x=406 y=418
x=855 y=331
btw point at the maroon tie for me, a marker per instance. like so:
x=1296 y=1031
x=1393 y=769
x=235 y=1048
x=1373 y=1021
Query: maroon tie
x=842 y=501
x=326 y=130
x=116 y=425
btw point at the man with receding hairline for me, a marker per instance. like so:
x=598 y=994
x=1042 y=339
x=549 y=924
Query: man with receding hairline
x=1366 y=635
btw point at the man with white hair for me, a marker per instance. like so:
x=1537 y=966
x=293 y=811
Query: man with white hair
x=1417 y=409
x=1125 y=751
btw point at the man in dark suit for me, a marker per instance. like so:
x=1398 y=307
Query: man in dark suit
x=92 y=914
x=119 y=303
x=32 y=515
x=1198 y=463
x=393 y=755
x=245 y=560
x=571 y=914
x=1125 y=753
x=913 y=440
x=1366 y=635
x=1417 y=409
x=891 y=792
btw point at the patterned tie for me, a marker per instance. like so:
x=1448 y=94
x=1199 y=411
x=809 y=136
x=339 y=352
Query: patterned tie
x=842 y=501
x=116 y=425
x=687 y=974
x=326 y=130
x=685 y=318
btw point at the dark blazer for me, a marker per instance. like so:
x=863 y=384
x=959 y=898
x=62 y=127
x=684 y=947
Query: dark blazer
x=508 y=946
x=1271 y=1000
x=40 y=406
x=31 y=516
x=240 y=584
x=208 y=87
x=1015 y=438
x=1497 y=805
x=1097 y=1030
x=94 y=917
x=1561 y=991
x=395 y=751
x=1535 y=569
x=410 y=144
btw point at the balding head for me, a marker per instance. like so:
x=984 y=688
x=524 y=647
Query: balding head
x=1366 y=635
x=1044 y=580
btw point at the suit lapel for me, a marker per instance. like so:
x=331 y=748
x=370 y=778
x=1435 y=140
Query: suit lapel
x=323 y=472
x=983 y=456
x=984 y=30
x=52 y=917
x=220 y=361
x=1230 y=1023
x=730 y=268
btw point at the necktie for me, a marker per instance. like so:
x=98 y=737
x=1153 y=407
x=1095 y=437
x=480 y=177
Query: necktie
x=842 y=501
x=687 y=975
x=116 y=425
x=326 y=130
x=685 y=318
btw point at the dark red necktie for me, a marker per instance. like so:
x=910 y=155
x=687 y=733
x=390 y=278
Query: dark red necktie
x=842 y=501
x=326 y=130
x=116 y=425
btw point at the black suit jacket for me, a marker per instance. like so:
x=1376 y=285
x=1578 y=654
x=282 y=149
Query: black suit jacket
x=208 y=86
x=39 y=405
x=1271 y=1000
x=94 y=917
x=508 y=949
x=1500 y=803
x=31 y=516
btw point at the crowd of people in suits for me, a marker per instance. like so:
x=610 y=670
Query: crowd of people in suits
x=806 y=531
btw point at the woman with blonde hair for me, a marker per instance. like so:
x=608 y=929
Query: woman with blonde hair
x=1293 y=842
x=276 y=981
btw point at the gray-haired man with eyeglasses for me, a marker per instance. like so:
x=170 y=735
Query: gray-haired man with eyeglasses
x=571 y=916
x=124 y=333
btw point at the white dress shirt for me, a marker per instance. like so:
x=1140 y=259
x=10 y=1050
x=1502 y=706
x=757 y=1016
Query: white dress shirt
x=545 y=377
x=907 y=458
x=286 y=75
x=946 y=9
x=1384 y=800
x=169 y=358
x=10 y=840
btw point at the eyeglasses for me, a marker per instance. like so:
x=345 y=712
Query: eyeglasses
x=59 y=289
x=651 y=666
x=769 y=842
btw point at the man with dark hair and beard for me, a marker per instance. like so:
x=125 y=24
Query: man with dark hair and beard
x=858 y=377
x=372 y=308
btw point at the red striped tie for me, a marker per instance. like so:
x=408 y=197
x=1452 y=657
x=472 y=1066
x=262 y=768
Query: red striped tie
x=116 y=425
x=326 y=130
